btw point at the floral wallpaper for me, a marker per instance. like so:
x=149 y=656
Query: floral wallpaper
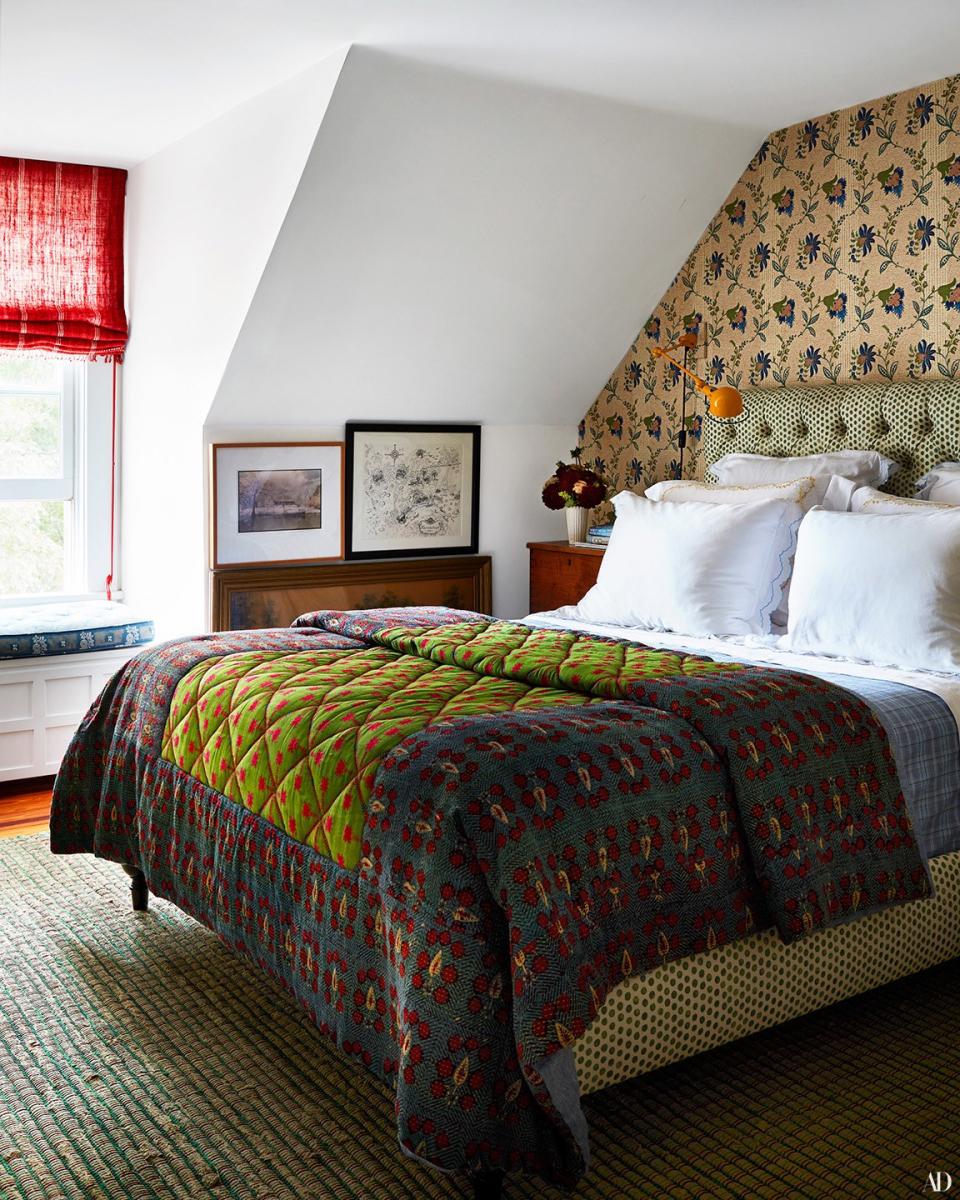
x=836 y=257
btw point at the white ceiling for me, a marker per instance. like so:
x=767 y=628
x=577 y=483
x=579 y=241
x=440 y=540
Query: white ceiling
x=116 y=80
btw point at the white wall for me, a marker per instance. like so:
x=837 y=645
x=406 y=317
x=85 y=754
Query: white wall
x=471 y=248
x=456 y=248
x=466 y=249
x=202 y=217
x=514 y=462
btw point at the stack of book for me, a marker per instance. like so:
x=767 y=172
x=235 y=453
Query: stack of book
x=599 y=535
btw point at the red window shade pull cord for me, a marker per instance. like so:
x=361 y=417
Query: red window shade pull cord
x=113 y=480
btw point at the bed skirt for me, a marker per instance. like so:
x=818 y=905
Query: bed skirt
x=703 y=1001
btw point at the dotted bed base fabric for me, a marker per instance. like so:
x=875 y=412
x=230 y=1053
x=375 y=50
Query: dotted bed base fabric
x=697 y=1003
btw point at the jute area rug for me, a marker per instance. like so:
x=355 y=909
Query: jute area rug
x=139 y=1060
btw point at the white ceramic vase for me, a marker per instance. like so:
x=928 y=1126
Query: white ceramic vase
x=578 y=522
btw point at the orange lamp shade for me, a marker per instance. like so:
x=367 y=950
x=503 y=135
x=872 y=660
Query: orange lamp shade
x=725 y=403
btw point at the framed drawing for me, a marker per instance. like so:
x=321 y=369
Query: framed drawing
x=412 y=489
x=270 y=597
x=276 y=502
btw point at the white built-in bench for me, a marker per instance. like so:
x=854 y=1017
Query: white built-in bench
x=54 y=660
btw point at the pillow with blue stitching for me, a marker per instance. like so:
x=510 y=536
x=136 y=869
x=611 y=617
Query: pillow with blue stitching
x=702 y=569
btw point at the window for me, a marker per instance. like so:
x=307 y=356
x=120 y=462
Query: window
x=54 y=477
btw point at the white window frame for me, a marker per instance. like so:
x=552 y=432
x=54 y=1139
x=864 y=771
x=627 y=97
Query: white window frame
x=84 y=482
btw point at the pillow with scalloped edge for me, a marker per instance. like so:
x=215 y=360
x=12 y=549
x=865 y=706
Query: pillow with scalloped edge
x=702 y=569
x=833 y=492
x=869 y=500
x=941 y=485
x=836 y=471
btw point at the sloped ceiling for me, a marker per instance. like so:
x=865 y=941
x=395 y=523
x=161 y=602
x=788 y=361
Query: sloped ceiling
x=117 y=80
x=468 y=247
x=202 y=217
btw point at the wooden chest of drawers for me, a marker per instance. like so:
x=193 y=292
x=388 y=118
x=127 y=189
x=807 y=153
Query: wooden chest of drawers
x=561 y=573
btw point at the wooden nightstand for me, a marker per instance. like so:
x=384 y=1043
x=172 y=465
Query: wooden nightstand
x=561 y=573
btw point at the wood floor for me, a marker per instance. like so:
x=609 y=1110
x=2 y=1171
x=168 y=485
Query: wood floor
x=25 y=806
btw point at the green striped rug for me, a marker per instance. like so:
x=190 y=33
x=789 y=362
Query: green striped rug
x=139 y=1059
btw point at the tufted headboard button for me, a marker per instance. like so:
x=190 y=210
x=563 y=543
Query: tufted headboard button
x=917 y=423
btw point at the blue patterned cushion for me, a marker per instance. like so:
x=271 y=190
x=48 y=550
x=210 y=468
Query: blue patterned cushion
x=45 y=630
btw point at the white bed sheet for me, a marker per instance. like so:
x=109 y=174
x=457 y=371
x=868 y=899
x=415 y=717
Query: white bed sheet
x=758 y=648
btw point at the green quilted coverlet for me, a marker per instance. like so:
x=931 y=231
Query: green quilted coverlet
x=298 y=737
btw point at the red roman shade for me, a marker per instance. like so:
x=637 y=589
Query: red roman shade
x=61 y=258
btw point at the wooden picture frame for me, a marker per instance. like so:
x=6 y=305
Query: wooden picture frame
x=268 y=597
x=376 y=525
x=312 y=534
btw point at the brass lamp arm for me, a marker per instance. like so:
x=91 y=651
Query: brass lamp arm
x=726 y=403
x=700 y=384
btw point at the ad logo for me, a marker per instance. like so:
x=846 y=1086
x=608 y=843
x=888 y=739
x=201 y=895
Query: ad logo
x=938 y=1181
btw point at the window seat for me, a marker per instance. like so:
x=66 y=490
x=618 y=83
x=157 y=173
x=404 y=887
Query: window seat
x=54 y=660
x=71 y=627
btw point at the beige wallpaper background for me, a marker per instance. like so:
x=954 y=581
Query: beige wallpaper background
x=836 y=257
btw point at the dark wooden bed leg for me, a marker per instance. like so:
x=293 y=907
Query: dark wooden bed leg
x=138 y=888
x=488 y=1185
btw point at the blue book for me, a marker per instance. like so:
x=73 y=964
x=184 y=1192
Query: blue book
x=601 y=530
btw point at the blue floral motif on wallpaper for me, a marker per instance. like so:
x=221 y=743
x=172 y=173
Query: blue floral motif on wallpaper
x=891 y=180
x=759 y=258
x=836 y=191
x=861 y=125
x=809 y=136
x=835 y=257
x=950 y=169
x=836 y=304
x=810 y=250
x=949 y=293
x=811 y=362
x=925 y=355
x=921 y=235
x=783 y=200
x=892 y=300
x=866 y=356
x=785 y=311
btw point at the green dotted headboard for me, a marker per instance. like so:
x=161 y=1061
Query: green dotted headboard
x=916 y=424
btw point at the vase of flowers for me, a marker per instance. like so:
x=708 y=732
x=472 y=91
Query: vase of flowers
x=578 y=522
x=576 y=489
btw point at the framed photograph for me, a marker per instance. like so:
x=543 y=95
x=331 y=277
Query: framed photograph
x=412 y=489
x=276 y=502
x=270 y=597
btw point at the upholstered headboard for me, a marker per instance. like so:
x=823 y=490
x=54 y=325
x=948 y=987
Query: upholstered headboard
x=916 y=424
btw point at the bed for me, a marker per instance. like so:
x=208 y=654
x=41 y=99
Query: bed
x=445 y=835
x=697 y=1003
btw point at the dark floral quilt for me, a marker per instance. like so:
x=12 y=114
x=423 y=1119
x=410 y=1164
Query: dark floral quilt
x=450 y=837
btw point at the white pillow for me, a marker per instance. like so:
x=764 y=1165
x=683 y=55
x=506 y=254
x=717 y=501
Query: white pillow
x=884 y=588
x=869 y=500
x=694 y=568
x=862 y=468
x=941 y=484
x=800 y=491
x=805 y=491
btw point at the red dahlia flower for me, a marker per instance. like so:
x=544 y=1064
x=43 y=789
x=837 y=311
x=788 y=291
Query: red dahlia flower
x=574 y=486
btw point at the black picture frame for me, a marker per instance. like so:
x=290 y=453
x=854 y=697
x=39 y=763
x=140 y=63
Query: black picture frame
x=405 y=428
